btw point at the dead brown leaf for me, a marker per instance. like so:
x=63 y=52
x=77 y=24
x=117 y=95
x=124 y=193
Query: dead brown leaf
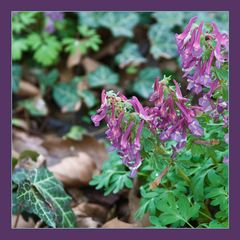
x=59 y=148
x=134 y=204
x=74 y=59
x=87 y=222
x=74 y=171
x=116 y=223
x=66 y=74
x=21 y=223
x=90 y=64
x=27 y=89
x=95 y=211
x=23 y=141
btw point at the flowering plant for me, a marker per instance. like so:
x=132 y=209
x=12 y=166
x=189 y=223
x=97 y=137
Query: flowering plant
x=176 y=147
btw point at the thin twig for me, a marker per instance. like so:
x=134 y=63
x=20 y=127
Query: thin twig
x=38 y=224
x=157 y=181
x=18 y=216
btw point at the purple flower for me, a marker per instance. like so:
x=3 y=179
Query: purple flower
x=226 y=138
x=101 y=112
x=138 y=135
x=184 y=36
x=206 y=103
x=195 y=128
x=49 y=27
x=51 y=18
x=139 y=108
x=157 y=96
x=197 y=50
x=226 y=160
x=125 y=136
x=179 y=93
x=55 y=16
x=222 y=40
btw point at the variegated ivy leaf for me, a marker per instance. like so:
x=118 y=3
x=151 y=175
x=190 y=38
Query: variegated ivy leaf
x=102 y=76
x=120 y=23
x=169 y=19
x=35 y=106
x=144 y=82
x=90 y=19
x=46 y=80
x=40 y=193
x=66 y=96
x=163 y=42
x=129 y=55
x=16 y=77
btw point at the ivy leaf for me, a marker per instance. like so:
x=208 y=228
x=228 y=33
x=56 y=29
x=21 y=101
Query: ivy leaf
x=76 y=133
x=47 y=80
x=129 y=55
x=119 y=23
x=16 y=77
x=44 y=196
x=19 y=45
x=88 y=98
x=143 y=85
x=66 y=96
x=169 y=19
x=102 y=76
x=36 y=106
x=162 y=42
x=90 y=19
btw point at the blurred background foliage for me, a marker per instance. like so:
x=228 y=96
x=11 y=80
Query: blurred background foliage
x=61 y=61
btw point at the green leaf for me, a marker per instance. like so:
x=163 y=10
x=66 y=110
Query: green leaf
x=19 y=175
x=113 y=177
x=47 y=80
x=29 y=154
x=88 y=98
x=102 y=76
x=162 y=42
x=90 y=19
x=66 y=96
x=221 y=73
x=46 y=47
x=129 y=55
x=36 y=106
x=16 y=77
x=19 y=45
x=176 y=212
x=76 y=133
x=169 y=19
x=22 y=20
x=143 y=85
x=44 y=196
x=120 y=23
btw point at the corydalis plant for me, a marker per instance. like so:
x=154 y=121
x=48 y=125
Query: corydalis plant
x=169 y=119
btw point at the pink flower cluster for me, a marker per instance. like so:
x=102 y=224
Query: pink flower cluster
x=197 y=71
x=170 y=118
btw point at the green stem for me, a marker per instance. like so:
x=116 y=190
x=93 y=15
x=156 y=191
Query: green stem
x=206 y=215
x=191 y=226
x=142 y=174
